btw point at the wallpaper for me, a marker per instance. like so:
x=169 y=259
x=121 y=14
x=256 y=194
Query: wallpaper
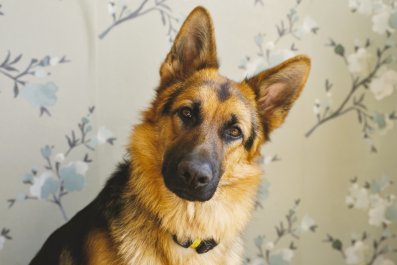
x=76 y=75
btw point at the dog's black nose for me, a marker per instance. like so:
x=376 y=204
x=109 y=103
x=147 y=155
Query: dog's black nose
x=195 y=174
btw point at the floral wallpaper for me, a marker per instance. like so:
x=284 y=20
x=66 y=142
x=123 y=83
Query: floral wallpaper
x=75 y=75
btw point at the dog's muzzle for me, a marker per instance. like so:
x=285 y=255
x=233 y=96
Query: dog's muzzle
x=193 y=176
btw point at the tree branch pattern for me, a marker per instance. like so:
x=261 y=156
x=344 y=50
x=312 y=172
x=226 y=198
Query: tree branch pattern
x=269 y=53
x=270 y=251
x=60 y=175
x=370 y=68
x=381 y=207
x=354 y=100
x=121 y=13
x=4 y=236
x=40 y=95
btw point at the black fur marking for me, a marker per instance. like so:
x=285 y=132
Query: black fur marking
x=197 y=114
x=224 y=92
x=233 y=120
x=266 y=130
x=196 y=119
x=71 y=237
x=170 y=101
x=250 y=141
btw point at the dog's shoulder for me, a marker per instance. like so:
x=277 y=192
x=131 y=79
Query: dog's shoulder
x=68 y=241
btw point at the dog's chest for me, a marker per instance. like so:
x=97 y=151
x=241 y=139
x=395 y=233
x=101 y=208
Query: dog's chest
x=223 y=254
x=173 y=254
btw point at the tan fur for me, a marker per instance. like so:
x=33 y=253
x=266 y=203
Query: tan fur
x=143 y=233
x=99 y=249
x=66 y=258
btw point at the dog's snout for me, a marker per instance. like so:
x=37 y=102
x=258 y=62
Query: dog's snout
x=195 y=174
x=192 y=172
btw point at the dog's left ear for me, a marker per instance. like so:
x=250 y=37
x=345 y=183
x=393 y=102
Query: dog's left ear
x=193 y=49
x=277 y=89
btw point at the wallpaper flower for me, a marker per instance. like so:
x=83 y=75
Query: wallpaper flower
x=75 y=76
x=39 y=95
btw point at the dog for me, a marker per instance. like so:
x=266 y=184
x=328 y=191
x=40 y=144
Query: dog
x=188 y=188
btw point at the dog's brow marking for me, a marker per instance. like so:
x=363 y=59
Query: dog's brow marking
x=224 y=92
x=171 y=99
x=232 y=121
x=250 y=141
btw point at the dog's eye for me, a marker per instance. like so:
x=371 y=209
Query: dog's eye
x=234 y=132
x=186 y=113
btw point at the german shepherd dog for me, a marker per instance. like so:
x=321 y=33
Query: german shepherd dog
x=188 y=188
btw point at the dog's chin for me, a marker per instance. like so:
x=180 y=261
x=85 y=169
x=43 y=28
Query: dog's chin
x=196 y=196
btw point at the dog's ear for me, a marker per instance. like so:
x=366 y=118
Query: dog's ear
x=277 y=89
x=193 y=48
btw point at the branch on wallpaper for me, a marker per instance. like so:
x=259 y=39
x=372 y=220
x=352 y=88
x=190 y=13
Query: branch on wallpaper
x=4 y=236
x=39 y=95
x=121 y=12
x=291 y=27
x=366 y=78
x=62 y=174
x=381 y=208
x=371 y=72
x=288 y=230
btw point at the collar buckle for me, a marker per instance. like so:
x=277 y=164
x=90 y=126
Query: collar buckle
x=201 y=246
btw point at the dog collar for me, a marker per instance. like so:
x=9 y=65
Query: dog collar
x=201 y=246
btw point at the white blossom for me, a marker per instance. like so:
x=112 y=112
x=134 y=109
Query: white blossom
x=278 y=56
x=316 y=106
x=307 y=223
x=358 y=197
x=40 y=73
x=362 y=6
x=111 y=7
x=103 y=135
x=377 y=210
x=382 y=261
x=38 y=182
x=287 y=254
x=358 y=62
x=309 y=24
x=60 y=157
x=268 y=159
x=380 y=21
x=384 y=85
x=2 y=241
x=269 y=45
x=54 y=61
x=355 y=254
x=255 y=66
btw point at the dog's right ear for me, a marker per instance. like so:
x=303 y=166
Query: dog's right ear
x=193 y=48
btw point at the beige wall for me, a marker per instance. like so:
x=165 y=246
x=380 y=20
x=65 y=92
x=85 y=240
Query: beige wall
x=118 y=75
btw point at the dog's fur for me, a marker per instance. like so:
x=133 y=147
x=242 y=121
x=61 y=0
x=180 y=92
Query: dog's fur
x=135 y=216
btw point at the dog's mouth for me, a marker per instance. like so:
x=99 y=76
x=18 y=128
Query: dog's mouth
x=198 y=195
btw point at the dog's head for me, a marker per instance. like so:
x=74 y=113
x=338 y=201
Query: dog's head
x=207 y=124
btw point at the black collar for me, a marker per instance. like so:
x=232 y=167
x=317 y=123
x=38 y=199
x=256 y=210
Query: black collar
x=201 y=246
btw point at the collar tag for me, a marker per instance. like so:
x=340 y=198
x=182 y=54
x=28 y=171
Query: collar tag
x=195 y=243
x=201 y=246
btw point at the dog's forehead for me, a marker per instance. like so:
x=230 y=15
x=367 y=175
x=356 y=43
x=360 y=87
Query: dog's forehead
x=216 y=89
x=216 y=95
